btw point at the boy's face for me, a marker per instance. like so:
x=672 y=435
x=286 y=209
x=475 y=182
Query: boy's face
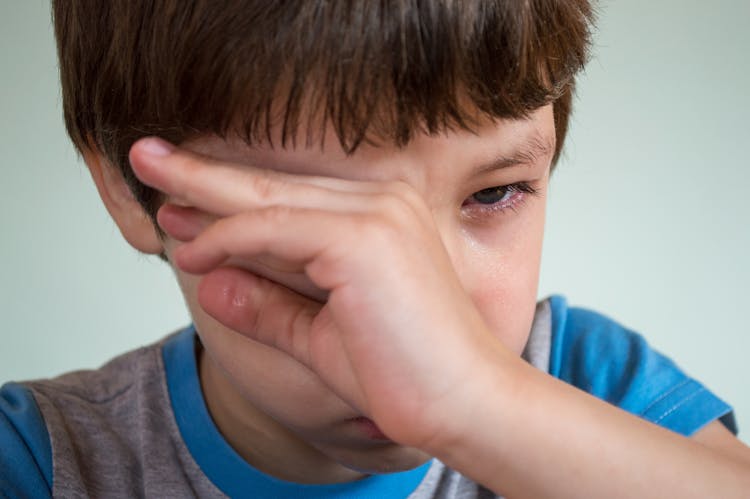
x=267 y=404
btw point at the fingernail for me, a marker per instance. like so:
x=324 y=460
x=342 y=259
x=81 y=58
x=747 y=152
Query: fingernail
x=154 y=146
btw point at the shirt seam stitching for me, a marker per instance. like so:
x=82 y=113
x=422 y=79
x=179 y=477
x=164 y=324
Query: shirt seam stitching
x=665 y=395
x=680 y=404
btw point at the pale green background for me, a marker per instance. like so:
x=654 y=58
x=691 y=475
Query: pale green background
x=648 y=219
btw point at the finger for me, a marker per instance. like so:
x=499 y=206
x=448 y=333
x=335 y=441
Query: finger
x=291 y=276
x=259 y=309
x=276 y=316
x=225 y=188
x=296 y=236
x=183 y=223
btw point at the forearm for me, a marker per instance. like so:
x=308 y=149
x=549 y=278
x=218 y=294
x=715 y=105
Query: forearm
x=544 y=438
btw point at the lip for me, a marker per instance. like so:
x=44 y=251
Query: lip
x=369 y=429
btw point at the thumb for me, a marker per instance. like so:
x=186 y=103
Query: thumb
x=274 y=315
x=259 y=309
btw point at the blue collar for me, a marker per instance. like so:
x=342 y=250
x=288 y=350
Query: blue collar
x=226 y=469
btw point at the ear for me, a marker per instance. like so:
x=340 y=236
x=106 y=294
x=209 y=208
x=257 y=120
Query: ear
x=133 y=222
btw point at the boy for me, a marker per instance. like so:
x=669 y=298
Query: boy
x=354 y=215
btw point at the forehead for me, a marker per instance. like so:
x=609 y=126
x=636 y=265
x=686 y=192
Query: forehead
x=522 y=140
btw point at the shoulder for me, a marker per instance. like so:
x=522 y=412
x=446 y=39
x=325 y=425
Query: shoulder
x=98 y=404
x=98 y=386
x=587 y=345
x=58 y=425
x=602 y=357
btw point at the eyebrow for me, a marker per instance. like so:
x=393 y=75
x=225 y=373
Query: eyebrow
x=535 y=148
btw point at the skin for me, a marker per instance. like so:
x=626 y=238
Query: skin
x=326 y=287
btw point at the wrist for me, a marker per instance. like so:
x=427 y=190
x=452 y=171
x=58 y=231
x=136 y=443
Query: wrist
x=484 y=406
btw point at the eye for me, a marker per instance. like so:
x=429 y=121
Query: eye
x=493 y=195
x=497 y=199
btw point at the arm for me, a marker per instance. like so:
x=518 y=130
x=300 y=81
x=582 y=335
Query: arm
x=556 y=441
x=390 y=284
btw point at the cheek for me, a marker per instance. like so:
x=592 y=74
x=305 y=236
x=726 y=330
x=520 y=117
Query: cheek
x=501 y=274
x=507 y=306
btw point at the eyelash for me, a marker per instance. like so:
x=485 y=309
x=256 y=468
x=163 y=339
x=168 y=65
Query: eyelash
x=518 y=191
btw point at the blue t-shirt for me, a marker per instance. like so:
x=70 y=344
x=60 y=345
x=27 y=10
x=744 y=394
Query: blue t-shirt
x=586 y=350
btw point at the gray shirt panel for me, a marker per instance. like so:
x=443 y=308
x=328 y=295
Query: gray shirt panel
x=113 y=433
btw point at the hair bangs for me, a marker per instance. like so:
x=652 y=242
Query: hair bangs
x=406 y=67
x=370 y=70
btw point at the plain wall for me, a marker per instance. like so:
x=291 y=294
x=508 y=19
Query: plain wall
x=647 y=221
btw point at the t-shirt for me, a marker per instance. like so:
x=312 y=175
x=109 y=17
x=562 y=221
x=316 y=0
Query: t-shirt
x=139 y=427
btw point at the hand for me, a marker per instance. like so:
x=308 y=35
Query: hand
x=398 y=337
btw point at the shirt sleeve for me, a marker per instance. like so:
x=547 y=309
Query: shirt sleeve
x=26 y=454
x=617 y=365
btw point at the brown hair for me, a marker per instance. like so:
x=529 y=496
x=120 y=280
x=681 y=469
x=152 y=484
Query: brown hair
x=372 y=69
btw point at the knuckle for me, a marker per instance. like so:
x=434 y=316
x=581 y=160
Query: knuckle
x=264 y=186
x=379 y=227
x=407 y=198
x=392 y=208
x=405 y=192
